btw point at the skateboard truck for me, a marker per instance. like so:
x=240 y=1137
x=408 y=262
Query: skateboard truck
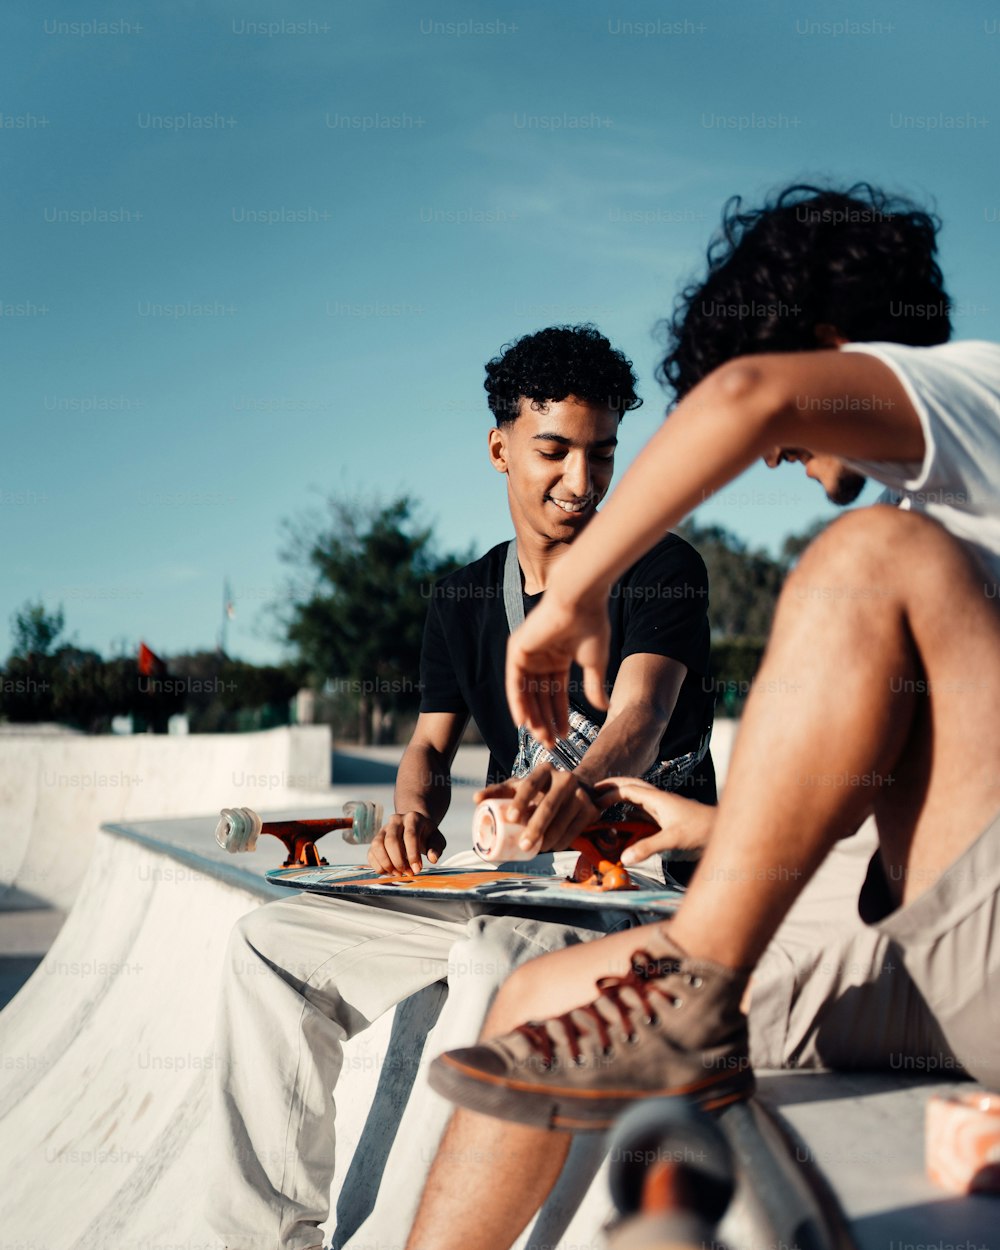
x=239 y=828
x=600 y=864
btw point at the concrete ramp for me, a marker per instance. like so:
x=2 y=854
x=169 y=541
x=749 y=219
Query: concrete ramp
x=106 y=1059
x=107 y=1053
x=106 y=1065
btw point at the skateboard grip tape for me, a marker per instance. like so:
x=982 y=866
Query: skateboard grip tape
x=963 y=1142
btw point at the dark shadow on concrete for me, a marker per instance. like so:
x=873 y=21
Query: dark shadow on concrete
x=358 y=770
x=971 y=1221
x=13 y=898
x=414 y=1019
x=14 y=972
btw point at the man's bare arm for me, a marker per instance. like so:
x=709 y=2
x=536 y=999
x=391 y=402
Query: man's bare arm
x=558 y=805
x=642 y=703
x=422 y=795
x=847 y=404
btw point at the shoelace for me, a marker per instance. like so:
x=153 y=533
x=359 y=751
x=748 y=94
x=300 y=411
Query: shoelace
x=644 y=969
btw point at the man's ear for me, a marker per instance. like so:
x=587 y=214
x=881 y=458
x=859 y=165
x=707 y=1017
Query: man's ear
x=828 y=336
x=498 y=448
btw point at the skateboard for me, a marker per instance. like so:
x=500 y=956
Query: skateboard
x=496 y=886
x=598 y=879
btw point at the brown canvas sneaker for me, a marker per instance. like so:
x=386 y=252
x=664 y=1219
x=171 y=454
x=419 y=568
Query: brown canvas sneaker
x=671 y=1026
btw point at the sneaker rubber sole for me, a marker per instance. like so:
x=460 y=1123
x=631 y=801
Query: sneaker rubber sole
x=572 y=1110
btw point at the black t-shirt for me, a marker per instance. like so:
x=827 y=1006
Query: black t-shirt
x=659 y=607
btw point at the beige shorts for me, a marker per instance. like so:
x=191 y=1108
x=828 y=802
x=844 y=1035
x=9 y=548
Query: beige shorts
x=948 y=939
x=833 y=992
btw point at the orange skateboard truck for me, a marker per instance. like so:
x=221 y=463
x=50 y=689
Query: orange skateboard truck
x=239 y=828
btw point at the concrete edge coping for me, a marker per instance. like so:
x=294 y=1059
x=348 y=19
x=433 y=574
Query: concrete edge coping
x=227 y=874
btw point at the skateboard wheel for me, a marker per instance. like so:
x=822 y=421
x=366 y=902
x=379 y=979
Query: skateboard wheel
x=366 y=821
x=665 y=1132
x=494 y=838
x=238 y=829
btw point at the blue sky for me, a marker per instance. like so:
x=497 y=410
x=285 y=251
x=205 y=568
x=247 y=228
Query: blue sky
x=257 y=253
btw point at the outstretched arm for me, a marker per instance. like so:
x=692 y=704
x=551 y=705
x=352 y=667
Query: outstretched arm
x=844 y=404
x=557 y=806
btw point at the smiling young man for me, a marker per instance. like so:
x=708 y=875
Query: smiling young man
x=879 y=695
x=305 y=975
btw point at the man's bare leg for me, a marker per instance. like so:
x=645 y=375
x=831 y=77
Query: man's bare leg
x=479 y=1192
x=880 y=690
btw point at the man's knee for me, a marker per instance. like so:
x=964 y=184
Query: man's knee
x=263 y=941
x=248 y=936
x=883 y=533
x=873 y=554
x=507 y=1010
x=488 y=952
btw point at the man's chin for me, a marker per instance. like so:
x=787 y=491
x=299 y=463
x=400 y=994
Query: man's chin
x=570 y=522
x=846 y=489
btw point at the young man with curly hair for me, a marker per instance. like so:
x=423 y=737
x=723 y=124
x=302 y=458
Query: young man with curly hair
x=879 y=695
x=305 y=975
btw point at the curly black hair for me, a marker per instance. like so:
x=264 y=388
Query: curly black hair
x=552 y=364
x=858 y=260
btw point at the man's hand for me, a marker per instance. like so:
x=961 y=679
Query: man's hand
x=684 y=824
x=539 y=655
x=400 y=843
x=554 y=806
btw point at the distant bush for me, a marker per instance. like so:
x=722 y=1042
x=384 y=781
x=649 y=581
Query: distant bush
x=734 y=665
x=44 y=680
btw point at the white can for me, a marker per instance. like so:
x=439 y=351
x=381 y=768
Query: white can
x=495 y=838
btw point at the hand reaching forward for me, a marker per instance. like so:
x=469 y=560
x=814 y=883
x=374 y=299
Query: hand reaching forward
x=539 y=655
x=684 y=823
x=552 y=805
x=400 y=843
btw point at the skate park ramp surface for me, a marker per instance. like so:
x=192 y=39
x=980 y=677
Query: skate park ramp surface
x=56 y=789
x=106 y=1060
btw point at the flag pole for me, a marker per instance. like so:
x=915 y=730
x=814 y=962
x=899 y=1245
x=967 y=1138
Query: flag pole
x=227 y=614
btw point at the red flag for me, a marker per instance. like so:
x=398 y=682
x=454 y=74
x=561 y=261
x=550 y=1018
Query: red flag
x=150 y=664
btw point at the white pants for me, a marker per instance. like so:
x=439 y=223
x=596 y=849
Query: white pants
x=304 y=976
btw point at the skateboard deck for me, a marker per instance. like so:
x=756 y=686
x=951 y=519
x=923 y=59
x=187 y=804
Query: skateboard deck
x=498 y=887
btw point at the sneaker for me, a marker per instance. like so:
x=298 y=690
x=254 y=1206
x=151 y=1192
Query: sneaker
x=672 y=1026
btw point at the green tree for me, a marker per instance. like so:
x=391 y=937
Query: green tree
x=357 y=625
x=224 y=695
x=42 y=681
x=744 y=586
x=795 y=544
x=35 y=630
